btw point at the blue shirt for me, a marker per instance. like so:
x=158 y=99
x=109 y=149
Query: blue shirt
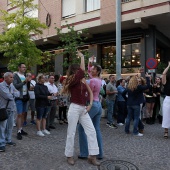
x=120 y=90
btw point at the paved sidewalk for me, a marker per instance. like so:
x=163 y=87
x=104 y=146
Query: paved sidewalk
x=150 y=152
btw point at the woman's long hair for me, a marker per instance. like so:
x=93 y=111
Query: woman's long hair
x=98 y=68
x=133 y=83
x=70 y=77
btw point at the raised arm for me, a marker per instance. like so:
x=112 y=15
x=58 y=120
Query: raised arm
x=91 y=60
x=147 y=86
x=82 y=63
x=164 y=74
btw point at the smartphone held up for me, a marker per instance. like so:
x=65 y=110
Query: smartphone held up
x=92 y=59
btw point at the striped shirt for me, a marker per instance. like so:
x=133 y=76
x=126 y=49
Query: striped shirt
x=8 y=92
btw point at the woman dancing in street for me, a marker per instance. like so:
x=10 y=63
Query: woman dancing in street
x=77 y=87
x=95 y=113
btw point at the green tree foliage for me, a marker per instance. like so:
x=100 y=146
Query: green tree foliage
x=16 y=42
x=71 y=41
x=48 y=61
x=161 y=67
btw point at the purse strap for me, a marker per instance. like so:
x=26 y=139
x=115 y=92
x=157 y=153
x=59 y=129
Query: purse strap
x=7 y=104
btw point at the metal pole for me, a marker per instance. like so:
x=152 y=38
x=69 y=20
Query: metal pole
x=118 y=39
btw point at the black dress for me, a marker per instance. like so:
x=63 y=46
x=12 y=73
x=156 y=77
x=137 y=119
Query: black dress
x=149 y=95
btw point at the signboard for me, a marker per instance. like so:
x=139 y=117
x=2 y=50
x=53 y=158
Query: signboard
x=151 y=63
x=151 y=71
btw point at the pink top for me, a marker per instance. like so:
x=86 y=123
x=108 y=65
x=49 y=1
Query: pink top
x=95 y=85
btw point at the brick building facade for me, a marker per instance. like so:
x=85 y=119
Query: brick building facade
x=142 y=35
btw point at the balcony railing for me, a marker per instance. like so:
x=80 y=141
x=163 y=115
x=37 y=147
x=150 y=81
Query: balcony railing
x=124 y=1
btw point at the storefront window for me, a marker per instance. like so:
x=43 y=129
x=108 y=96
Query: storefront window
x=136 y=53
x=108 y=56
x=131 y=54
x=126 y=55
x=158 y=54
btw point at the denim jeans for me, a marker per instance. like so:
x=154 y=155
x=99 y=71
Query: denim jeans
x=6 y=127
x=51 y=115
x=110 y=107
x=122 y=111
x=95 y=115
x=133 y=112
x=79 y=113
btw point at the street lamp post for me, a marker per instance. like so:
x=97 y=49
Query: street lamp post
x=118 y=39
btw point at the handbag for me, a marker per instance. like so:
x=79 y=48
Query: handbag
x=25 y=97
x=3 y=113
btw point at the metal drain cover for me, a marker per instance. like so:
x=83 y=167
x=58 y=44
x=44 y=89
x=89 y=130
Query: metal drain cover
x=117 y=165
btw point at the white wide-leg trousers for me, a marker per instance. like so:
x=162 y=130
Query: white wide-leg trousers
x=78 y=113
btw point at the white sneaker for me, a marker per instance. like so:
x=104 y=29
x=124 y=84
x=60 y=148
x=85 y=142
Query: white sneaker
x=139 y=134
x=46 y=132
x=39 y=133
x=14 y=124
x=120 y=124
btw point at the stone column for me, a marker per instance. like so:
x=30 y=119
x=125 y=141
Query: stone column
x=150 y=43
x=59 y=64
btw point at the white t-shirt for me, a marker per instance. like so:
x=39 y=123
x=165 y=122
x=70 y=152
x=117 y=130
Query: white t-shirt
x=52 y=89
x=24 y=89
x=103 y=82
x=31 y=93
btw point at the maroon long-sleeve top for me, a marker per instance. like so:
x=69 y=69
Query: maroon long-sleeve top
x=79 y=92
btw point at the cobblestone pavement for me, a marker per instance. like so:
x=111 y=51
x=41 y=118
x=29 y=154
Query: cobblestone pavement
x=150 y=152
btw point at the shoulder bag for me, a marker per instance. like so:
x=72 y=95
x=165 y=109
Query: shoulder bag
x=3 y=113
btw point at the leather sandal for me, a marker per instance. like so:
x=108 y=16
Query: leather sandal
x=166 y=135
x=70 y=160
x=92 y=160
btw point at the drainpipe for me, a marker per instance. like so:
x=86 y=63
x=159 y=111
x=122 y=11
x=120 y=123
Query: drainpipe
x=118 y=39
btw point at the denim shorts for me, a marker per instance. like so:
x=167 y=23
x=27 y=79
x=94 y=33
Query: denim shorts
x=21 y=106
x=41 y=112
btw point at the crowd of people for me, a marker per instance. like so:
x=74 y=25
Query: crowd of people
x=80 y=101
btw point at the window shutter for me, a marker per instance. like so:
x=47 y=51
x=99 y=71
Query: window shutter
x=96 y=4
x=92 y=5
x=68 y=8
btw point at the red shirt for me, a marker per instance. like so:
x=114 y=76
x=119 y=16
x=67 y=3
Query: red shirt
x=79 y=92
